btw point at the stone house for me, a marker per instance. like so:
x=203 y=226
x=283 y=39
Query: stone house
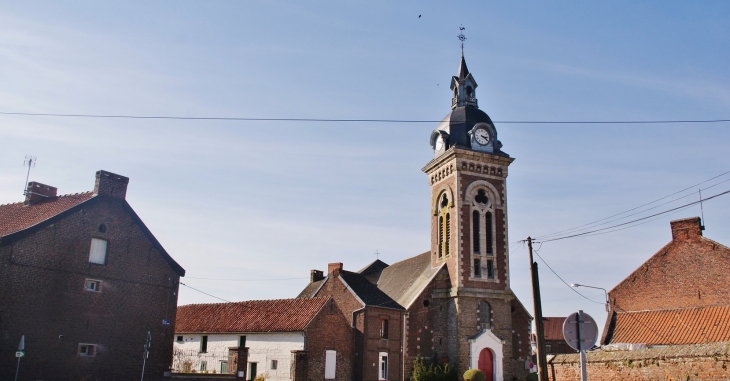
x=678 y=296
x=285 y=339
x=84 y=280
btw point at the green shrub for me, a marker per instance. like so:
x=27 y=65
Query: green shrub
x=428 y=371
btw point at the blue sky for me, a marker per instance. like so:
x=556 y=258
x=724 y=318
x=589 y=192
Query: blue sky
x=272 y=200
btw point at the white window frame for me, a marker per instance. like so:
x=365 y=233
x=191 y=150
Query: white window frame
x=330 y=365
x=383 y=366
x=97 y=252
x=87 y=350
x=95 y=288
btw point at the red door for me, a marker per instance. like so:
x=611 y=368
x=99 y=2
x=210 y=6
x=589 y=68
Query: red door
x=486 y=363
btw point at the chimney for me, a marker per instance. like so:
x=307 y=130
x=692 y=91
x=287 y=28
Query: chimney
x=38 y=192
x=687 y=228
x=334 y=269
x=315 y=275
x=110 y=184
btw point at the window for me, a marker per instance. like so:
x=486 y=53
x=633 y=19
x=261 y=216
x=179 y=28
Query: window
x=274 y=364
x=242 y=341
x=203 y=344
x=477 y=268
x=475 y=231
x=93 y=285
x=97 y=254
x=224 y=366
x=441 y=236
x=548 y=348
x=448 y=234
x=102 y=228
x=383 y=374
x=485 y=315
x=383 y=328
x=253 y=370
x=203 y=365
x=330 y=365
x=490 y=269
x=444 y=238
x=87 y=350
x=488 y=232
x=179 y=339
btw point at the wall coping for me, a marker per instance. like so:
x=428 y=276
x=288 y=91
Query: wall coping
x=656 y=352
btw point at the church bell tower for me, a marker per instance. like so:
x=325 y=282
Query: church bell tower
x=468 y=176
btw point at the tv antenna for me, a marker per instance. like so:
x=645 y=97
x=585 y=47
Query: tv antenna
x=30 y=163
x=462 y=38
x=702 y=210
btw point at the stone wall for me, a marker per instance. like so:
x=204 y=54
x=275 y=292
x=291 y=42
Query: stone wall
x=677 y=362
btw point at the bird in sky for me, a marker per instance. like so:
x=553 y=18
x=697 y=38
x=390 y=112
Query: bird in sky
x=419 y=16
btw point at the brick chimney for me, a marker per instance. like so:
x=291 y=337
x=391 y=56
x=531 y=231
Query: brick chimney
x=315 y=275
x=110 y=184
x=38 y=192
x=334 y=269
x=687 y=228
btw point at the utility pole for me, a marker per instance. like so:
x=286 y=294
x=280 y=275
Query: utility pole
x=539 y=326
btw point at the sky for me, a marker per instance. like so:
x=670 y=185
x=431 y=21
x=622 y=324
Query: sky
x=249 y=207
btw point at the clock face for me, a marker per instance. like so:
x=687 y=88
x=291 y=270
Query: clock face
x=439 y=143
x=481 y=136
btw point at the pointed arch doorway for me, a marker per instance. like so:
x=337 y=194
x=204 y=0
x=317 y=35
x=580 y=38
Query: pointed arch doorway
x=486 y=363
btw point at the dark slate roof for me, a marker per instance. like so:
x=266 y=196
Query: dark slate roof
x=282 y=315
x=405 y=280
x=311 y=290
x=372 y=271
x=368 y=292
x=463 y=71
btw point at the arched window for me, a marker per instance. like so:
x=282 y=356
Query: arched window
x=485 y=315
x=488 y=232
x=448 y=234
x=444 y=232
x=468 y=91
x=441 y=236
x=475 y=230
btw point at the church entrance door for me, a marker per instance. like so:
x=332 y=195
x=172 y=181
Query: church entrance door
x=486 y=363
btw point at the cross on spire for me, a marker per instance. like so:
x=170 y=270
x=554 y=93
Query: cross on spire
x=377 y=255
x=462 y=38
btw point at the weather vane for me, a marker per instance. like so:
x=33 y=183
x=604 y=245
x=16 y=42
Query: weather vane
x=462 y=38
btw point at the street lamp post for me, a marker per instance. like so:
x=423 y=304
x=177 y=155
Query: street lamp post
x=575 y=285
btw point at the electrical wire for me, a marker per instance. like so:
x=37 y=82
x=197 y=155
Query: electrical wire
x=243 y=280
x=595 y=223
x=203 y=292
x=250 y=119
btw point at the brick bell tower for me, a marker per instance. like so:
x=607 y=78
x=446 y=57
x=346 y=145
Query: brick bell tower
x=469 y=233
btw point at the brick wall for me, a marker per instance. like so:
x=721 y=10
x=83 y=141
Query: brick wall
x=329 y=331
x=43 y=296
x=680 y=362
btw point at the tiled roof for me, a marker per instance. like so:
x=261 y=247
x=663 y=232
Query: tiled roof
x=281 y=315
x=405 y=280
x=368 y=292
x=553 y=328
x=17 y=217
x=675 y=326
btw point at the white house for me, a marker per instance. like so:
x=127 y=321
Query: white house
x=275 y=334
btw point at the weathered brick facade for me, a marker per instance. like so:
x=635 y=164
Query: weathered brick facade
x=43 y=293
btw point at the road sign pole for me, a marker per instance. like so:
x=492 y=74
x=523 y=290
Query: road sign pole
x=21 y=349
x=581 y=340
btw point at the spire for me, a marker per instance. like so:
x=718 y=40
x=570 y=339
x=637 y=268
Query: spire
x=464 y=87
x=463 y=71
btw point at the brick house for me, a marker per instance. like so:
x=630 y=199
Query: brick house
x=285 y=339
x=678 y=296
x=554 y=340
x=456 y=300
x=84 y=280
x=375 y=318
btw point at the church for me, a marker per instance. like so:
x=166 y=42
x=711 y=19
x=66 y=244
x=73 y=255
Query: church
x=452 y=304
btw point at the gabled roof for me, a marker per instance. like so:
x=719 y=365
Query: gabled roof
x=404 y=281
x=18 y=219
x=373 y=270
x=18 y=216
x=553 y=328
x=673 y=326
x=281 y=315
x=367 y=292
x=311 y=289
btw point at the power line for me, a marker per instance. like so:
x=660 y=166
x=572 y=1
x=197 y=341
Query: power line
x=203 y=292
x=243 y=280
x=638 y=219
x=351 y=120
x=638 y=207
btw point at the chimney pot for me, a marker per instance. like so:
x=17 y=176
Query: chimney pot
x=110 y=184
x=38 y=192
x=334 y=268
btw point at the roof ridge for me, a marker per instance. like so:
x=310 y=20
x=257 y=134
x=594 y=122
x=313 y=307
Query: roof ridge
x=255 y=300
x=675 y=309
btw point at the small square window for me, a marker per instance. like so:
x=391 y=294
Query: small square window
x=274 y=364
x=87 y=350
x=179 y=339
x=93 y=285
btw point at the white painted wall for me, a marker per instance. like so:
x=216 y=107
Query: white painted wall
x=487 y=339
x=263 y=347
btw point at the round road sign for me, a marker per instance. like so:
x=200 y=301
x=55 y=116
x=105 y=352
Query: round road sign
x=583 y=326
